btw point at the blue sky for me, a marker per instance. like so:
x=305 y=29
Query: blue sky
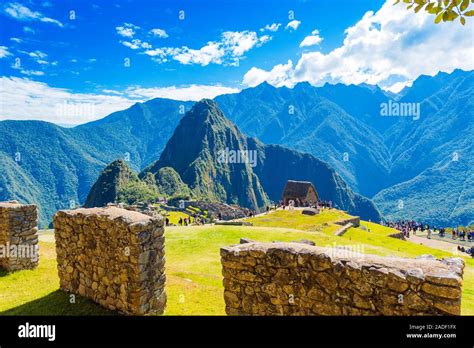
x=113 y=53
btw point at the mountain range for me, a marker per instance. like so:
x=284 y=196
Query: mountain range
x=209 y=154
x=410 y=168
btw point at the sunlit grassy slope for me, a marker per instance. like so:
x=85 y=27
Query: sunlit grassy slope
x=194 y=281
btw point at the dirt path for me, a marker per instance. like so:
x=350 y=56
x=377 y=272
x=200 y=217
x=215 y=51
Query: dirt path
x=433 y=243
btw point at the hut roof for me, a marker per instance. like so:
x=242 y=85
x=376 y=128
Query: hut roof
x=297 y=188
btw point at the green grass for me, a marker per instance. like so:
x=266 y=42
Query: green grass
x=193 y=269
x=36 y=292
x=322 y=222
x=175 y=215
x=378 y=229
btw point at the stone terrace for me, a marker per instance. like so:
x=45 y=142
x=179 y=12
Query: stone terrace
x=18 y=236
x=114 y=257
x=298 y=279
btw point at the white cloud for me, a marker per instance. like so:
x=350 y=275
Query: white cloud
x=271 y=27
x=32 y=72
x=192 y=92
x=228 y=50
x=311 y=40
x=136 y=44
x=263 y=39
x=159 y=32
x=278 y=76
x=23 y=13
x=28 y=30
x=293 y=25
x=25 y=99
x=40 y=58
x=4 y=52
x=239 y=42
x=391 y=48
x=111 y=91
x=210 y=53
x=127 y=30
x=37 y=54
x=157 y=52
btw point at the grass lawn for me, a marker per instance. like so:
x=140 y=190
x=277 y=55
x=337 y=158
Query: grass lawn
x=322 y=222
x=175 y=215
x=194 y=281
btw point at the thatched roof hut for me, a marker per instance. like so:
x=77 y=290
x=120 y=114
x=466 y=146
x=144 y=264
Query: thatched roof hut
x=302 y=192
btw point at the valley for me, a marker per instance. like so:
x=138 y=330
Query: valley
x=397 y=162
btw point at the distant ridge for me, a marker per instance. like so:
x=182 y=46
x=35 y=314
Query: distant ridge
x=195 y=153
x=389 y=159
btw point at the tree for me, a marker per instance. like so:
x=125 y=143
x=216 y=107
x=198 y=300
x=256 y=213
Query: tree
x=445 y=10
x=136 y=191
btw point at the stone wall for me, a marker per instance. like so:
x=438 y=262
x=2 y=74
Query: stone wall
x=114 y=257
x=398 y=235
x=355 y=220
x=297 y=279
x=18 y=236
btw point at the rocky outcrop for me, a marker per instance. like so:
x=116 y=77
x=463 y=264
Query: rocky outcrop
x=355 y=220
x=107 y=186
x=222 y=210
x=114 y=257
x=213 y=158
x=18 y=236
x=298 y=279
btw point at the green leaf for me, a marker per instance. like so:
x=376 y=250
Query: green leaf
x=439 y=17
x=463 y=20
x=469 y=13
x=452 y=16
x=464 y=5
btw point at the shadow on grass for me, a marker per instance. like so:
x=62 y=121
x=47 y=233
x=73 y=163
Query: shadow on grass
x=57 y=303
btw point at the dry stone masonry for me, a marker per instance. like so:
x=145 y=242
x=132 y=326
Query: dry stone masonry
x=18 y=236
x=298 y=279
x=114 y=257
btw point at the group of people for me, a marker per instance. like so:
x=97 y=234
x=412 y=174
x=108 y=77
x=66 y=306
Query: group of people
x=298 y=203
x=469 y=251
x=407 y=227
x=196 y=219
x=412 y=227
x=324 y=204
x=461 y=234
